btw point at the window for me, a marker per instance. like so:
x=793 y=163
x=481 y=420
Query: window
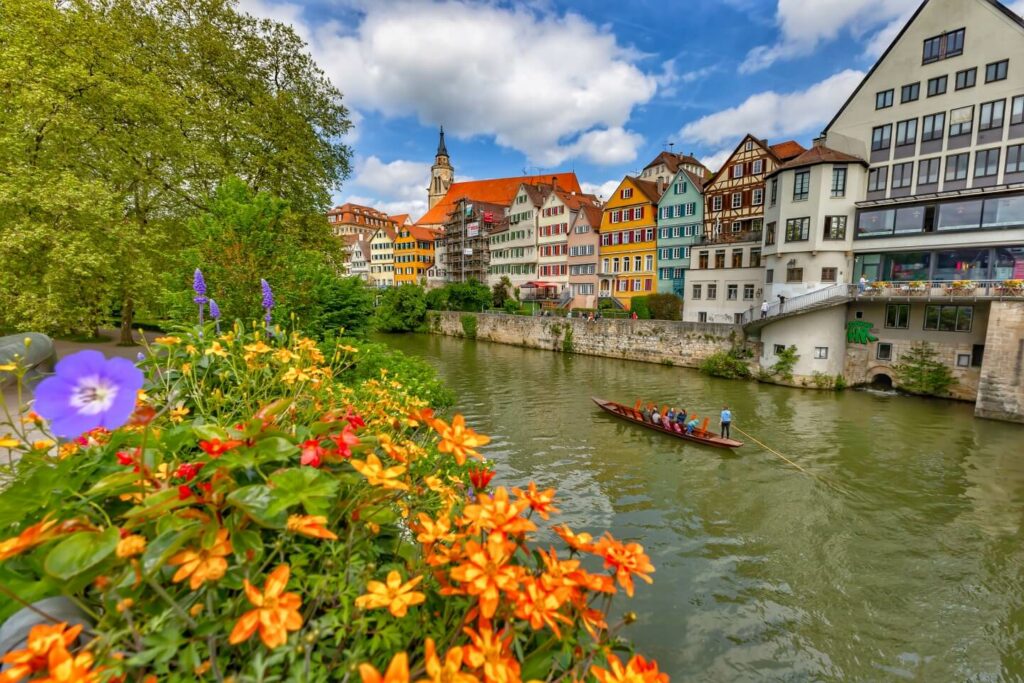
x=933 y=127
x=949 y=318
x=749 y=146
x=794 y=274
x=755 y=258
x=928 y=171
x=909 y=93
x=906 y=132
x=944 y=46
x=801 y=185
x=986 y=163
x=820 y=352
x=737 y=200
x=737 y=171
x=775 y=190
x=956 y=167
x=712 y=291
x=757 y=196
x=702 y=260
x=720 y=258
x=702 y=317
x=828 y=274
x=1017 y=110
x=835 y=227
x=839 y=181
x=881 y=137
x=769 y=276
x=626 y=193
x=977 y=354
x=696 y=292
x=732 y=292
x=757 y=167
x=877 y=179
x=963 y=360
x=1015 y=159
x=883 y=99
x=778 y=348
x=737 y=258
x=961 y=121
x=897 y=316
x=937 y=86
x=769 y=233
x=716 y=203
x=991 y=115
x=798 y=229
x=884 y=351
x=680 y=188
x=902 y=175
x=932 y=49
x=748 y=292
x=966 y=78
x=996 y=71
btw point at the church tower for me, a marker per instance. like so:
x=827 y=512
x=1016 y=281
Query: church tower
x=441 y=174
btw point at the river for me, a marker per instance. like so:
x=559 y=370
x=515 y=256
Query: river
x=898 y=556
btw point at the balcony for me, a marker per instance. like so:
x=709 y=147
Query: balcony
x=729 y=237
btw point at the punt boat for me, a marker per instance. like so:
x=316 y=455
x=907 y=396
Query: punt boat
x=699 y=435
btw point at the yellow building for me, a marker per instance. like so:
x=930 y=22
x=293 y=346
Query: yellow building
x=414 y=254
x=628 y=248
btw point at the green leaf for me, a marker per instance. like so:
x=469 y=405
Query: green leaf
x=80 y=552
x=118 y=482
x=306 y=486
x=210 y=432
x=160 y=549
x=255 y=501
x=276 y=446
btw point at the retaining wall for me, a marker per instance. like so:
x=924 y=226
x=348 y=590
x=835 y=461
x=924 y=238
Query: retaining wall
x=653 y=341
x=1001 y=389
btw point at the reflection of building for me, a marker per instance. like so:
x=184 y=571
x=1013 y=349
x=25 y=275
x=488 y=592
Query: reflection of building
x=916 y=185
x=353 y=219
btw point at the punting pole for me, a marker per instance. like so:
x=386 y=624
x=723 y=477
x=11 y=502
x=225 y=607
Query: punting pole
x=775 y=452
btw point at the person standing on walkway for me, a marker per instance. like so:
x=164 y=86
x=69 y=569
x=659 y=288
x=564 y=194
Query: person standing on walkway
x=782 y=303
x=764 y=309
x=726 y=421
x=862 y=286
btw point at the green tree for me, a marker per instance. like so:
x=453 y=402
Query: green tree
x=501 y=292
x=402 y=309
x=919 y=371
x=786 y=361
x=345 y=304
x=665 y=306
x=118 y=119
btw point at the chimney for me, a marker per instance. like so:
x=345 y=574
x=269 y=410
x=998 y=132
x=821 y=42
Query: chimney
x=554 y=182
x=818 y=141
x=661 y=185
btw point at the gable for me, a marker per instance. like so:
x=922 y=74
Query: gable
x=734 y=157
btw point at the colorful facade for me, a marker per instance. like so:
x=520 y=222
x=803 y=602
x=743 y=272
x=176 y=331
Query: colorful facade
x=353 y=219
x=514 y=246
x=628 y=245
x=584 y=246
x=382 y=256
x=414 y=254
x=680 y=224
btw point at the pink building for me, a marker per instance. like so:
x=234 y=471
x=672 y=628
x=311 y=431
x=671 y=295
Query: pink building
x=582 y=259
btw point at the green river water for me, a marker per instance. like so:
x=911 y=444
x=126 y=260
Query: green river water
x=898 y=558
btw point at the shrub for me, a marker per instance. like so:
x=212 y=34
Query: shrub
x=638 y=305
x=840 y=383
x=468 y=325
x=437 y=299
x=665 y=306
x=511 y=306
x=402 y=309
x=822 y=381
x=346 y=304
x=465 y=296
x=605 y=304
x=254 y=519
x=920 y=372
x=567 y=346
x=500 y=293
x=725 y=364
x=783 y=367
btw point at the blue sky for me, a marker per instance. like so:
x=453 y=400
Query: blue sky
x=594 y=86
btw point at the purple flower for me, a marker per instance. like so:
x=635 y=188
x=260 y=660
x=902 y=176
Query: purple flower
x=199 y=287
x=214 y=310
x=268 y=300
x=88 y=391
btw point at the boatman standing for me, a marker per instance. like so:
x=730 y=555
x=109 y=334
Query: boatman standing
x=726 y=421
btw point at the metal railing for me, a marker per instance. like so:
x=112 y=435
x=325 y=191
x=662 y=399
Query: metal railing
x=727 y=237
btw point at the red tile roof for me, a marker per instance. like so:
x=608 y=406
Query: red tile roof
x=422 y=234
x=819 y=155
x=400 y=218
x=593 y=214
x=673 y=161
x=697 y=182
x=787 y=150
x=648 y=187
x=496 y=191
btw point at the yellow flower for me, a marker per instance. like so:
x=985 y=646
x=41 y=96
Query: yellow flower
x=125 y=604
x=459 y=440
x=394 y=595
x=377 y=475
x=196 y=609
x=284 y=356
x=295 y=375
x=141 y=396
x=216 y=350
x=167 y=341
x=42 y=444
x=192 y=350
x=310 y=525
x=348 y=349
x=186 y=368
x=257 y=348
x=7 y=441
x=67 y=450
x=8 y=367
x=204 y=564
x=178 y=413
x=130 y=546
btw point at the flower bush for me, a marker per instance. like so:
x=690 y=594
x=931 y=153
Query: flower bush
x=256 y=519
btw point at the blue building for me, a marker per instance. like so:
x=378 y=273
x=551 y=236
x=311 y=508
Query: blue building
x=680 y=222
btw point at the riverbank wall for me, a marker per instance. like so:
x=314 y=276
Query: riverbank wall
x=667 y=342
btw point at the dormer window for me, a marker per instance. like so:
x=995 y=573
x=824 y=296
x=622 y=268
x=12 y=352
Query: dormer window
x=626 y=193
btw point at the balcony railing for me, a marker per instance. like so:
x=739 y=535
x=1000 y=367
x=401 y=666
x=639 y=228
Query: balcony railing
x=728 y=237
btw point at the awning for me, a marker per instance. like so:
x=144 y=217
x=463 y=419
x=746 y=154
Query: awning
x=538 y=285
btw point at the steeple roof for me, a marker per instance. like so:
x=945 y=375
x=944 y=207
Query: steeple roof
x=441 y=149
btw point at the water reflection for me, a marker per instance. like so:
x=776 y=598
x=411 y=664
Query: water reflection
x=899 y=557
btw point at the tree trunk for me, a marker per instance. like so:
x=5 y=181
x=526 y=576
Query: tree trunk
x=127 y=316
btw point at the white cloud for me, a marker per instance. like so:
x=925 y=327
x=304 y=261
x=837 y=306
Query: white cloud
x=805 y=25
x=547 y=84
x=714 y=161
x=415 y=208
x=770 y=114
x=602 y=191
x=1017 y=7
x=394 y=187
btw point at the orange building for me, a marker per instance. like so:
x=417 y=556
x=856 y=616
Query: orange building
x=628 y=249
x=354 y=219
x=414 y=254
x=493 y=191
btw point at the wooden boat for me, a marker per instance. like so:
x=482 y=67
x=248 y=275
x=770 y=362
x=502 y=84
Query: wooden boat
x=699 y=435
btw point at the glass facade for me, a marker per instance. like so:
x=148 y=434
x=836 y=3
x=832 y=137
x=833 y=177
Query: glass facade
x=961 y=264
x=991 y=213
x=1002 y=263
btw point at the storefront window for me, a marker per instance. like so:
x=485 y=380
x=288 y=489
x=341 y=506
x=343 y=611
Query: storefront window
x=868 y=265
x=1009 y=264
x=960 y=215
x=1004 y=212
x=874 y=223
x=910 y=219
x=906 y=267
x=962 y=264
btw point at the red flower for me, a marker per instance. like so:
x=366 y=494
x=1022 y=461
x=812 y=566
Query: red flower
x=480 y=477
x=312 y=453
x=125 y=458
x=216 y=448
x=354 y=419
x=184 y=492
x=188 y=470
x=344 y=441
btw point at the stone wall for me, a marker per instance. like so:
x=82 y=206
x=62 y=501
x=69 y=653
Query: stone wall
x=653 y=341
x=1001 y=389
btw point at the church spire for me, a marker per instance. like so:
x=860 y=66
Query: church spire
x=441 y=149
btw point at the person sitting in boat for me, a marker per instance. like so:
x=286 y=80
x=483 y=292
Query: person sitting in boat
x=675 y=426
x=692 y=424
x=646 y=414
x=681 y=417
x=656 y=417
x=670 y=416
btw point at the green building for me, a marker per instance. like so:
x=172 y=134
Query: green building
x=680 y=221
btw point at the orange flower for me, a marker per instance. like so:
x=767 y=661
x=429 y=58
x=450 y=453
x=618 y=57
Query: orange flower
x=399 y=453
x=311 y=525
x=276 y=612
x=398 y=671
x=42 y=639
x=394 y=595
x=458 y=439
x=485 y=572
x=431 y=532
x=67 y=668
x=539 y=501
x=626 y=559
x=204 y=564
x=449 y=671
x=541 y=607
x=129 y=546
x=497 y=513
x=638 y=670
x=377 y=475
x=582 y=542
x=38 y=533
x=491 y=651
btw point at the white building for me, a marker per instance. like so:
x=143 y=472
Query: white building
x=382 y=257
x=514 y=249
